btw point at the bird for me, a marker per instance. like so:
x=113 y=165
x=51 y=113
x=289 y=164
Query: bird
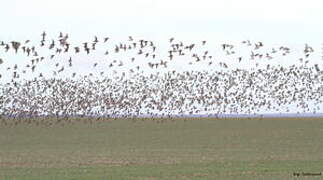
x=77 y=49
x=130 y=38
x=95 y=40
x=129 y=92
x=43 y=35
x=70 y=62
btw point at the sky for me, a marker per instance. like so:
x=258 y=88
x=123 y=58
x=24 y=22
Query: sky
x=283 y=20
x=274 y=22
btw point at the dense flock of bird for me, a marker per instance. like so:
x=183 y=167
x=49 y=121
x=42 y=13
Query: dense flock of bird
x=32 y=92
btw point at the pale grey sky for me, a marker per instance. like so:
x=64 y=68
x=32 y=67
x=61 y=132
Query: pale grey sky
x=280 y=21
x=284 y=20
x=275 y=22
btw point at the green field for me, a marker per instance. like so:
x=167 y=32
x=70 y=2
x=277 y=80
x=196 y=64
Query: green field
x=171 y=150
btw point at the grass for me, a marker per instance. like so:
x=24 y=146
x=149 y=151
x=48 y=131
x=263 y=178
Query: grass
x=145 y=149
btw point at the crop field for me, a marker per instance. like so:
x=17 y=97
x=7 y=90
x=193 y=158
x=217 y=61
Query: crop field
x=163 y=149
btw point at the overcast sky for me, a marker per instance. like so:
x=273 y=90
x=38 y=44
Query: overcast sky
x=274 y=22
x=287 y=20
